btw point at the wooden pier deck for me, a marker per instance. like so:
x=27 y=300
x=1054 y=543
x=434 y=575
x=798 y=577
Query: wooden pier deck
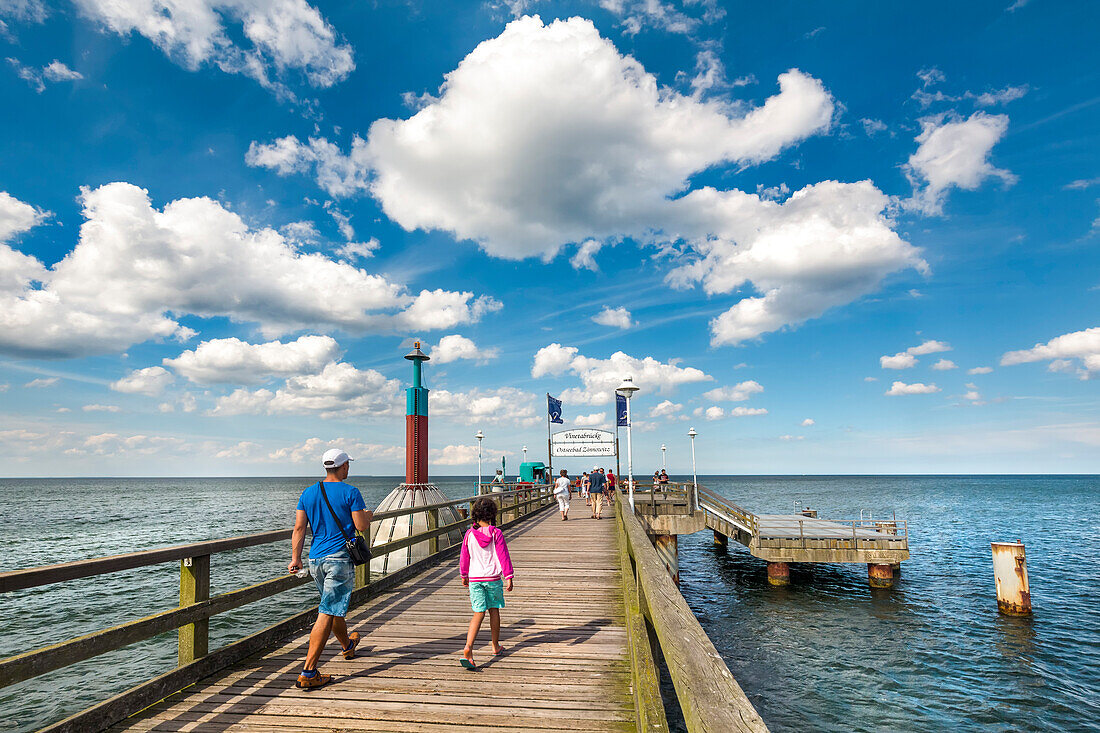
x=566 y=665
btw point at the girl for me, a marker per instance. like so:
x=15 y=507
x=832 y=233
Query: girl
x=483 y=563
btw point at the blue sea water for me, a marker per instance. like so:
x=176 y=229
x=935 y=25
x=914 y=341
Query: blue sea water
x=826 y=653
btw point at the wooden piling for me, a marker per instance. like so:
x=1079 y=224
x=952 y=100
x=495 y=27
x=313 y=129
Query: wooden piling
x=1010 y=574
x=880 y=575
x=779 y=573
x=194 y=639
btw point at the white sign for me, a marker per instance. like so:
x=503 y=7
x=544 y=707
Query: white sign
x=584 y=436
x=580 y=450
x=581 y=443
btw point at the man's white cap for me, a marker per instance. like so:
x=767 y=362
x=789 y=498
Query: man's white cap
x=334 y=458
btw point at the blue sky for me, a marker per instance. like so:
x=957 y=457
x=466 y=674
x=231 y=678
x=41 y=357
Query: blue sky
x=834 y=238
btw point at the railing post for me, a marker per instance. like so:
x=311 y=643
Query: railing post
x=194 y=639
x=433 y=523
x=362 y=575
x=801 y=534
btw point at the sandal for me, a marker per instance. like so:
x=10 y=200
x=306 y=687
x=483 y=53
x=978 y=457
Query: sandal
x=353 y=641
x=313 y=682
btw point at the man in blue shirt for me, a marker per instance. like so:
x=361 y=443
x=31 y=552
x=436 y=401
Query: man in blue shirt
x=597 y=483
x=329 y=563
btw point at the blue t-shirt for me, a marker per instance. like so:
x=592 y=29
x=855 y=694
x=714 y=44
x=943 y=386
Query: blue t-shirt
x=327 y=538
x=597 y=481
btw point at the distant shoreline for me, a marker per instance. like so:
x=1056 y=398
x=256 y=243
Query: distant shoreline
x=639 y=477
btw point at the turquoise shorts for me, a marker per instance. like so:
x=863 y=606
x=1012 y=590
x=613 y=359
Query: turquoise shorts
x=335 y=579
x=486 y=594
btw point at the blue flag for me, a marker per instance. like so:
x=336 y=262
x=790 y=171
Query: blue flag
x=620 y=411
x=553 y=407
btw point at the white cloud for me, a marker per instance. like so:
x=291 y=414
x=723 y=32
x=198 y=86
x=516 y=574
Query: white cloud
x=872 y=126
x=280 y=35
x=614 y=317
x=352 y=251
x=150 y=381
x=100 y=408
x=737 y=393
x=25 y=11
x=1083 y=346
x=600 y=377
x=953 y=152
x=1082 y=183
x=870 y=379
x=901 y=360
x=365 y=455
x=807 y=422
x=901 y=388
x=944 y=365
x=635 y=15
x=551 y=98
x=665 y=408
x=825 y=246
x=462 y=455
x=135 y=265
x=41 y=382
x=592 y=420
x=16 y=217
x=714 y=412
x=747 y=411
x=999 y=96
x=55 y=71
x=233 y=361
x=455 y=347
x=499 y=406
x=928 y=347
x=980 y=370
x=791 y=437
x=585 y=256
x=339 y=390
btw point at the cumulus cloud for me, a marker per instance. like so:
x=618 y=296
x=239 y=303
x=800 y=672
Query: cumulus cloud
x=16 y=217
x=41 y=383
x=337 y=173
x=365 y=455
x=101 y=408
x=953 y=153
x=55 y=71
x=614 y=317
x=747 y=411
x=944 y=364
x=461 y=455
x=737 y=393
x=592 y=420
x=900 y=360
x=262 y=39
x=600 y=377
x=901 y=388
x=666 y=409
x=135 y=270
x=1063 y=352
x=150 y=381
x=980 y=370
x=928 y=347
x=455 y=347
x=233 y=361
x=827 y=245
x=499 y=406
x=714 y=412
x=807 y=422
x=338 y=390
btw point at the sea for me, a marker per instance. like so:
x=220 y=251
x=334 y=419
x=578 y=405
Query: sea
x=826 y=653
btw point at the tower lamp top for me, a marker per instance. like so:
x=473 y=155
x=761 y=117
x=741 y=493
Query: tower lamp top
x=692 y=433
x=416 y=354
x=627 y=388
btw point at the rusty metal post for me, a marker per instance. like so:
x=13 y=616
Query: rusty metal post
x=779 y=573
x=1010 y=573
x=880 y=575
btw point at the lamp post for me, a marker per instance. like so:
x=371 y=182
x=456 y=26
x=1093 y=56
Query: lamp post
x=694 y=478
x=525 y=454
x=664 y=466
x=627 y=390
x=480 y=437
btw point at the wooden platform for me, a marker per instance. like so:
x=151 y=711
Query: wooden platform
x=565 y=667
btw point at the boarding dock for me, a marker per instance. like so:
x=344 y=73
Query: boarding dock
x=595 y=617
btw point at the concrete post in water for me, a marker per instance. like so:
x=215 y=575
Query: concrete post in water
x=668 y=550
x=720 y=539
x=779 y=573
x=880 y=575
x=1010 y=572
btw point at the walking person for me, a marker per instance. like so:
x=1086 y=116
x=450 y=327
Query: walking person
x=595 y=490
x=486 y=569
x=611 y=481
x=586 y=485
x=333 y=510
x=562 y=493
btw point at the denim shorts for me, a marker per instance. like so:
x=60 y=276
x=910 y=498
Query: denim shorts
x=486 y=594
x=335 y=579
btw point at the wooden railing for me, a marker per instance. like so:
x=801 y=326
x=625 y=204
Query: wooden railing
x=657 y=614
x=196 y=607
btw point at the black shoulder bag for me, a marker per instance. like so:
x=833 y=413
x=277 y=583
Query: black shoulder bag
x=356 y=545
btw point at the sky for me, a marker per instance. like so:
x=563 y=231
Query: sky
x=834 y=238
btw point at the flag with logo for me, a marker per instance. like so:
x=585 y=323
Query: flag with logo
x=620 y=411
x=553 y=408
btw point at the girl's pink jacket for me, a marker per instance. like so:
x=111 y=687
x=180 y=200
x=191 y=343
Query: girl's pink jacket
x=484 y=555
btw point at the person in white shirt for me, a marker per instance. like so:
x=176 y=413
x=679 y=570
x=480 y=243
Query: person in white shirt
x=562 y=492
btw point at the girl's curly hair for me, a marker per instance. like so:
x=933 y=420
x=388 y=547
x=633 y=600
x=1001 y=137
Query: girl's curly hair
x=484 y=510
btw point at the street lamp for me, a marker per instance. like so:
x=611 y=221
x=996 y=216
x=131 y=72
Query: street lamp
x=694 y=478
x=525 y=454
x=664 y=466
x=627 y=390
x=480 y=437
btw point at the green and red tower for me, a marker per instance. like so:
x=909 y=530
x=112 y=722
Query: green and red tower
x=416 y=422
